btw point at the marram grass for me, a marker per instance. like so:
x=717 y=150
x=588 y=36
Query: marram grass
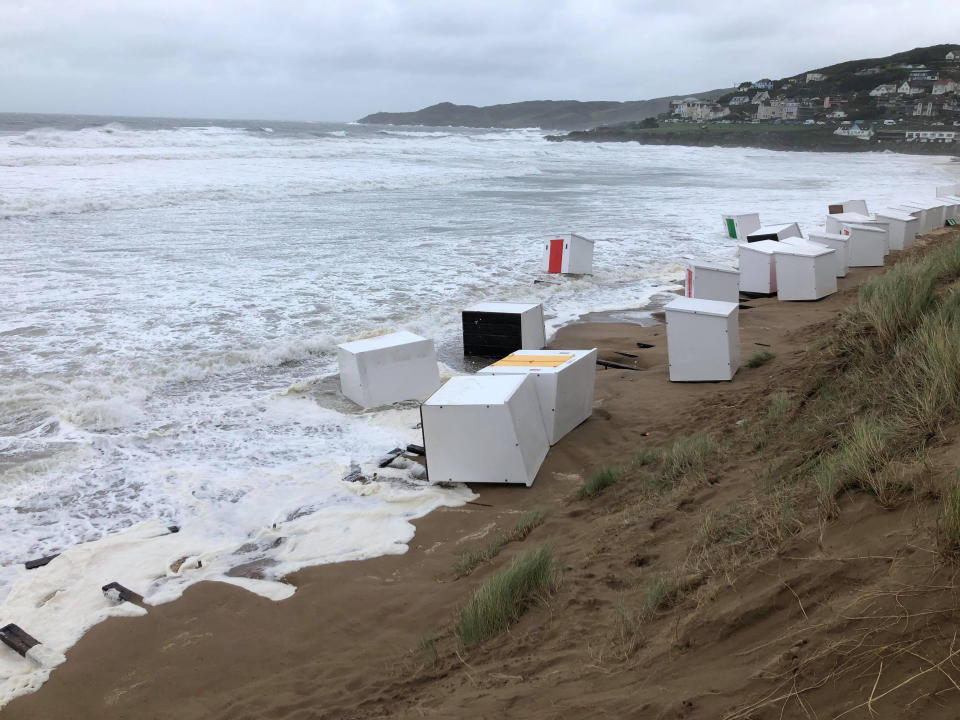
x=500 y=601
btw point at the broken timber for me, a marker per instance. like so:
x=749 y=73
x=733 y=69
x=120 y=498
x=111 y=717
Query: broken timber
x=118 y=593
x=14 y=637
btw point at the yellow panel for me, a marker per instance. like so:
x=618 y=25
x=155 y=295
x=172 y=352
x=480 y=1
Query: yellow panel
x=517 y=360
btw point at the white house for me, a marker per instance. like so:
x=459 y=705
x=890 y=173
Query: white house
x=923 y=73
x=911 y=88
x=942 y=87
x=760 y=97
x=815 y=77
x=855 y=131
x=739 y=100
x=930 y=136
x=953 y=55
x=765 y=84
x=837 y=114
x=881 y=90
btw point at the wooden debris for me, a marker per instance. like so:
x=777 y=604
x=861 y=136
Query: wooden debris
x=389 y=457
x=40 y=562
x=119 y=593
x=616 y=365
x=16 y=639
x=416 y=449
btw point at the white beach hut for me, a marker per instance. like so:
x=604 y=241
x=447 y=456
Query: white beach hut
x=495 y=329
x=564 y=381
x=837 y=261
x=569 y=254
x=837 y=241
x=387 y=369
x=712 y=282
x=931 y=216
x=775 y=232
x=923 y=218
x=806 y=272
x=484 y=429
x=849 y=206
x=903 y=227
x=740 y=225
x=836 y=221
x=703 y=340
x=867 y=245
x=758 y=272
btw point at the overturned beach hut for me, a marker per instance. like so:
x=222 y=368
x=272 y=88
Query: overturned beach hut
x=712 y=282
x=703 y=340
x=569 y=254
x=849 y=206
x=484 y=429
x=806 y=272
x=387 y=369
x=775 y=232
x=758 y=272
x=836 y=241
x=903 y=227
x=495 y=329
x=836 y=221
x=739 y=226
x=564 y=381
x=867 y=245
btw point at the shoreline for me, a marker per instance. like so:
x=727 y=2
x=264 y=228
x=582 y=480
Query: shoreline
x=346 y=643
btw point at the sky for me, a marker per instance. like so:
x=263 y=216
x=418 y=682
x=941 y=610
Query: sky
x=338 y=60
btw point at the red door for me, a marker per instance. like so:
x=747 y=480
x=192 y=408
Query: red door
x=689 y=282
x=556 y=256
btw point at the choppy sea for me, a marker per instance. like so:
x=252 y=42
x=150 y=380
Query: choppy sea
x=173 y=292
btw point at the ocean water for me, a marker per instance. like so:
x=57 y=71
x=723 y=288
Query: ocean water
x=173 y=292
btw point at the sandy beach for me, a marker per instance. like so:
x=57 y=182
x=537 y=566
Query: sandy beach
x=374 y=638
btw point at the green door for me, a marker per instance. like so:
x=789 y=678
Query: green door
x=732 y=228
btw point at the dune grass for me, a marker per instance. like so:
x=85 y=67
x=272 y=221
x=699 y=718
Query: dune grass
x=687 y=457
x=599 y=482
x=761 y=358
x=525 y=524
x=501 y=600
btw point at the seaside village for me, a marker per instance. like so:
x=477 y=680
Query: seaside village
x=896 y=103
x=496 y=426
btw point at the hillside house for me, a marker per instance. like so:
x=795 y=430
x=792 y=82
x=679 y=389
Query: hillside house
x=698 y=110
x=881 y=90
x=739 y=100
x=855 y=130
x=833 y=101
x=760 y=97
x=815 y=77
x=837 y=114
x=923 y=73
x=942 y=87
x=939 y=136
x=866 y=72
x=953 y=55
x=765 y=84
x=911 y=87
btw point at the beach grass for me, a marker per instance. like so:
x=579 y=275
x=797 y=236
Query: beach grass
x=525 y=524
x=500 y=601
x=602 y=479
x=761 y=358
x=646 y=455
x=687 y=457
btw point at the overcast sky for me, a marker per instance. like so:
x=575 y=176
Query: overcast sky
x=339 y=60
